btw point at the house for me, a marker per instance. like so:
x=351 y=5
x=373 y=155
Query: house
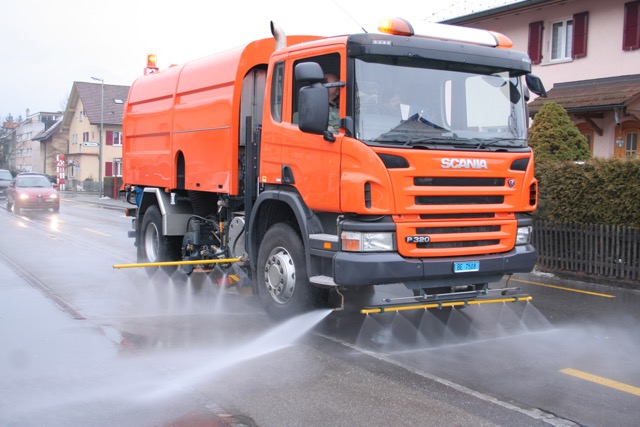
x=587 y=53
x=27 y=153
x=53 y=145
x=93 y=121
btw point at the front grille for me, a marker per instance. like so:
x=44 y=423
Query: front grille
x=453 y=230
x=459 y=200
x=464 y=244
x=458 y=216
x=458 y=182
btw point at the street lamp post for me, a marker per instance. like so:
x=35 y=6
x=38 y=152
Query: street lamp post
x=101 y=131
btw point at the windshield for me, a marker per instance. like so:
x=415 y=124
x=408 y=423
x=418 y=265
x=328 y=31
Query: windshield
x=432 y=104
x=5 y=175
x=33 y=181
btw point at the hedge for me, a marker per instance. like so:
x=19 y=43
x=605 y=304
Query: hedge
x=598 y=191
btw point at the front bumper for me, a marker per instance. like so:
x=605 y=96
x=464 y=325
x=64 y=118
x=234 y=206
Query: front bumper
x=38 y=204
x=361 y=269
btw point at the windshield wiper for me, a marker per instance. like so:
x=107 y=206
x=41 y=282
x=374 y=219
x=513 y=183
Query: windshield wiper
x=484 y=143
x=431 y=139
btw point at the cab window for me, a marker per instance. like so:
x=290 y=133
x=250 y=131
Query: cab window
x=277 y=90
x=330 y=65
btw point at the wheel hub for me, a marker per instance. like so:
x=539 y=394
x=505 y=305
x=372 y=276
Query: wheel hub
x=279 y=275
x=152 y=243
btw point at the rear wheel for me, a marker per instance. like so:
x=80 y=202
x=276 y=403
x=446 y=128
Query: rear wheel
x=154 y=247
x=282 y=274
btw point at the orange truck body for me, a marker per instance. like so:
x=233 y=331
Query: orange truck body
x=218 y=138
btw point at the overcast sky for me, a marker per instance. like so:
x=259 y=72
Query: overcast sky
x=46 y=45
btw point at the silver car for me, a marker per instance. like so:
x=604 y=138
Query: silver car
x=5 y=180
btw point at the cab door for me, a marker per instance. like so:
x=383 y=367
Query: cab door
x=307 y=161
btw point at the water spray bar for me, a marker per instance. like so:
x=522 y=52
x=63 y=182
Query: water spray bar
x=172 y=263
x=456 y=295
x=442 y=304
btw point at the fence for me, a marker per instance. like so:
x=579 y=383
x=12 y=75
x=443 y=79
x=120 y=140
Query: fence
x=604 y=250
x=77 y=185
x=110 y=186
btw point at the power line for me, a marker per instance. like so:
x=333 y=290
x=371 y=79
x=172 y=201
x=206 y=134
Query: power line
x=466 y=7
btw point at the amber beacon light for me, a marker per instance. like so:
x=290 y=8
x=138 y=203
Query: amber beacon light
x=395 y=26
x=151 y=64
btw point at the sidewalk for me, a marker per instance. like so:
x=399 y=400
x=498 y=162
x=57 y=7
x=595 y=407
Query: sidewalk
x=93 y=197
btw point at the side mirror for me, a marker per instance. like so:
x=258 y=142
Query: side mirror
x=313 y=98
x=313 y=109
x=535 y=85
x=309 y=72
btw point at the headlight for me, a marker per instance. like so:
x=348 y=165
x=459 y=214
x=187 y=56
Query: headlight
x=23 y=196
x=53 y=196
x=355 y=241
x=524 y=235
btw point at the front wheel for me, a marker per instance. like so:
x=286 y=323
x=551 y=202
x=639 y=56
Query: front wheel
x=282 y=274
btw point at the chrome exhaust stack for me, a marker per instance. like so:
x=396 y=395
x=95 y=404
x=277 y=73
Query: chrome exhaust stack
x=278 y=34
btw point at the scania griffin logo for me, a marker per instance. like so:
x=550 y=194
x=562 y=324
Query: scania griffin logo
x=463 y=164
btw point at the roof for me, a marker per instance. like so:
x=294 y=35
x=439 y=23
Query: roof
x=499 y=11
x=91 y=96
x=592 y=95
x=47 y=132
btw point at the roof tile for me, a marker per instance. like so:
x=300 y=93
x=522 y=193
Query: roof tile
x=592 y=95
x=91 y=96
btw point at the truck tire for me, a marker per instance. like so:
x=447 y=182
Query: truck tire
x=154 y=247
x=282 y=274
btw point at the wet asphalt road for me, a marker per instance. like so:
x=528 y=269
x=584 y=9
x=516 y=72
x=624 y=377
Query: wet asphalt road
x=84 y=344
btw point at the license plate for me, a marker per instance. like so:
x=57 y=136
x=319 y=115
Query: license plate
x=463 y=267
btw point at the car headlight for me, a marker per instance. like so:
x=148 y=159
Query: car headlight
x=23 y=196
x=53 y=196
x=524 y=235
x=356 y=241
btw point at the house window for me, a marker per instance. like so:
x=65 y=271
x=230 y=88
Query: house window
x=117 y=167
x=114 y=138
x=561 y=40
x=85 y=136
x=631 y=28
x=632 y=145
x=588 y=132
x=72 y=169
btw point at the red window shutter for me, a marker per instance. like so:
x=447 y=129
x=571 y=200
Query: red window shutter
x=109 y=137
x=108 y=169
x=580 y=24
x=535 y=42
x=631 y=29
